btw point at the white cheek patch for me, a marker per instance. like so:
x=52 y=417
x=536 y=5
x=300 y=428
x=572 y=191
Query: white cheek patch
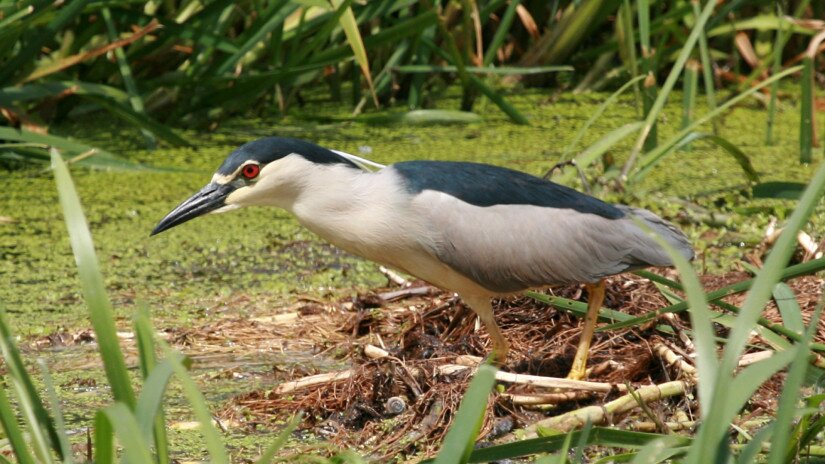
x=222 y=179
x=225 y=209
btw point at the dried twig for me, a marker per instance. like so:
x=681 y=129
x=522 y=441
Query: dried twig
x=406 y=293
x=539 y=381
x=600 y=414
x=751 y=358
x=287 y=387
x=667 y=355
x=394 y=277
x=546 y=398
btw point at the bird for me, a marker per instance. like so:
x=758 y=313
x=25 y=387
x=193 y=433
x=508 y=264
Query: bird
x=478 y=230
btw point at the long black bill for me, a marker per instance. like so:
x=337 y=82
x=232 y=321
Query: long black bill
x=208 y=199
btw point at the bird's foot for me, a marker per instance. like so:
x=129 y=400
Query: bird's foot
x=496 y=358
x=577 y=373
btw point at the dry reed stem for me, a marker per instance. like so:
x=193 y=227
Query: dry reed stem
x=328 y=377
x=601 y=414
x=394 y=277
x=539 y=381
x=673 y=359
x=751 y=358
x=546 y=398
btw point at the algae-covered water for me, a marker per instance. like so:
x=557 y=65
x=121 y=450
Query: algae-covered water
x=191 y=271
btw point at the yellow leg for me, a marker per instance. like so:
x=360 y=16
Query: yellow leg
x=482 y=306
x=595 y=298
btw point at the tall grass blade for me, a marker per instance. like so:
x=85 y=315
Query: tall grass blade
x=91 y=281
x=657 y=451
x=745 y=384
x=559 y=41
x=712 y=433
x=786 y=412
x=501 y=33
x=806 y=433
x=101 y=158
x=610 y=101
x=269 y=454
x=350 y=27
x=648 y=70
x=738 y=155
x=57 y=414
x=788 y=308
x=627 y=48
x=213 y=441
x=776 y=66
x=774 y=266
x=139 y=119
x=810 y=267
x=149 y=407
x=150 y=401
x=689 y=84
x=422 y=55
x=650 y=158
x=508 y=109
x=707 y=66
x=460 y=438
x=135 y=100
x=667 y=87
x=501 y=70
x=806 y=113
x=11 y=427
x=600 y=436
x=104 y=450
x=272 y=18
x=751 y=451
x=707 y=363
x=123 y=422
x=595 y=151
x=24 y=59
x=43 y=435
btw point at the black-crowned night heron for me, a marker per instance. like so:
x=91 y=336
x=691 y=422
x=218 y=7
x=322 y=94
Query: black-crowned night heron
x=478 y=230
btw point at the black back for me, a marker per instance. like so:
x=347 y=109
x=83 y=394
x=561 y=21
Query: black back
x=269 y=149
x=487 y=185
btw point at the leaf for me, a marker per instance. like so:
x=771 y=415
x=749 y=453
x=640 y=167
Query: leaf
x=503 y=70
x=94 y=292
x=350 y=27
x=460 y=438
x=123 y=422
x=788 y=307
x=778 y=189
x=439 y=117
x=100 y=158
x=601 y=436
x=269 y=454
x=42 y=433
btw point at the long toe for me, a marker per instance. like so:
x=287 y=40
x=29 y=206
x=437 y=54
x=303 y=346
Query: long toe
x=577 y=373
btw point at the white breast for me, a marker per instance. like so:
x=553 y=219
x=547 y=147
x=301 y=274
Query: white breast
x=365 y=213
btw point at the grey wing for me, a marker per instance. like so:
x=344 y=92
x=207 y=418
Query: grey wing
x=507 y=248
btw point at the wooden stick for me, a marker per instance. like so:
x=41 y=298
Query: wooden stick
x=750 y=358
x=373 y=352
x=667 y=355
x=329 y=377
x=538 y=381
x=601 y=414
x=546 y=398
x=406 y=292
x=394 y=277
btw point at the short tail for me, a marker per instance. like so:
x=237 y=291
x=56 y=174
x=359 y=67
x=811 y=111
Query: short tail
x=652 y=254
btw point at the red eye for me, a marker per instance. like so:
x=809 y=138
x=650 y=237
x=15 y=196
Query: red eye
x=251 y=171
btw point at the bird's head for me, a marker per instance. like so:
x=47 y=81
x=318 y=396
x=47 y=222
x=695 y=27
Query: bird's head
x=261 y=172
